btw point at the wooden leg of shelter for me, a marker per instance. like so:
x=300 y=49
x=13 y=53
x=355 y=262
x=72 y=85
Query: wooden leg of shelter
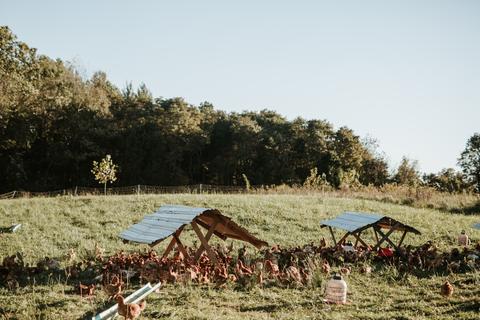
x=169 y=247
x=207 y=238
x=342 y=240
x=376 y=234
x=333 y=236
x=181 y=247
x=204 y=242
x=172 y=242
x=385 y=238
x=403 y=237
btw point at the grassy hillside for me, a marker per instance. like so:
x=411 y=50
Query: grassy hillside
x=51 y=226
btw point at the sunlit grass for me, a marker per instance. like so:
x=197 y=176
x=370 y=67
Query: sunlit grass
x=51 y=226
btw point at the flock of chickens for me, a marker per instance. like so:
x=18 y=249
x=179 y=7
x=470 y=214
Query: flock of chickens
x=279 y=266
x=276 y=266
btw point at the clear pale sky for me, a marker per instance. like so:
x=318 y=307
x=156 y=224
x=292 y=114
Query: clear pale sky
x=406 y=73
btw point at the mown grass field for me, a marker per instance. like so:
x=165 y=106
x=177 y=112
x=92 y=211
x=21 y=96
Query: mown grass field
x=51 y=226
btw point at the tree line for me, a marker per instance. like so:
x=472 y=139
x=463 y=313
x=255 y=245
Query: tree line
x=54 y=123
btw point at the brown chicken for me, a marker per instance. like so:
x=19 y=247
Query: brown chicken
x=293 y=274
x=323 y=243
x=366 y=269
x=326 y=267
x=130 y=311
x=242 y=268
x=346 y=270
x=272 y=268
x=446 y=289
x=172 y=275
x=88 y=290
x=114 y=288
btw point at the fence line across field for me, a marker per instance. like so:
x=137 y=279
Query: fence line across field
x=137 y=189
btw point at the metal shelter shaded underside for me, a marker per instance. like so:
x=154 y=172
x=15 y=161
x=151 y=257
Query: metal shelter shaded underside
x=356 y=222
x=351 y=221
x=169 y=220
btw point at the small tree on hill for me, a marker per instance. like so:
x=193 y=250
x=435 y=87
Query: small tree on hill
x=407 y=173
x=105 y=171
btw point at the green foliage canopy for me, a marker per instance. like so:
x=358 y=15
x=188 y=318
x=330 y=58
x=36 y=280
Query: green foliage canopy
x=470 y=160
x=54 y=122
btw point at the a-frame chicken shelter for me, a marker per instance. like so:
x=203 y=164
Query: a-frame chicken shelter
x=355 y=223
x=170 y=220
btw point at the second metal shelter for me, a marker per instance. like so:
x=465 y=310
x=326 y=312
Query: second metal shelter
x=355 y=223
x=170 y=220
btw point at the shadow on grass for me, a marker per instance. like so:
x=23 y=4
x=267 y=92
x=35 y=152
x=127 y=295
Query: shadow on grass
x=15 y=273
x=465 y=306
x=100 y=307
x=56 y=304
x=157 y=314
x=264 y=308
x=470 y=210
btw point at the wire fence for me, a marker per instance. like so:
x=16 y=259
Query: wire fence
x=137 y=189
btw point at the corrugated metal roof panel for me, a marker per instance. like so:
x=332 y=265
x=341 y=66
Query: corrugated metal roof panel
x=161 y=224
x=477 y=226
x=352 y=221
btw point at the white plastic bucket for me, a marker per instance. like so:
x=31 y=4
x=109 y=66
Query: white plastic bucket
x=336 y=290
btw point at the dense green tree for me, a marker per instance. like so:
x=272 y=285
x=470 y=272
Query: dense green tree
x=470 y=160
x=54 y=122
x=273 y=149
x=374 y=171
x=311 y=147
x=347 y=153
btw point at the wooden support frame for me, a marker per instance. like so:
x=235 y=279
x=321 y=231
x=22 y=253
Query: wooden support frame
x=403 y=237
x=356 y=235
x=172 y=243
x=358 y=239
x=176 y=241
x=204 y=246
x=204 y=242
x=377 y=231
x=376 y=234
x=181 y=247
x=209 y=234
x=385 y=237
x=169 y=248
x=342 y=240
x=357 y=225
